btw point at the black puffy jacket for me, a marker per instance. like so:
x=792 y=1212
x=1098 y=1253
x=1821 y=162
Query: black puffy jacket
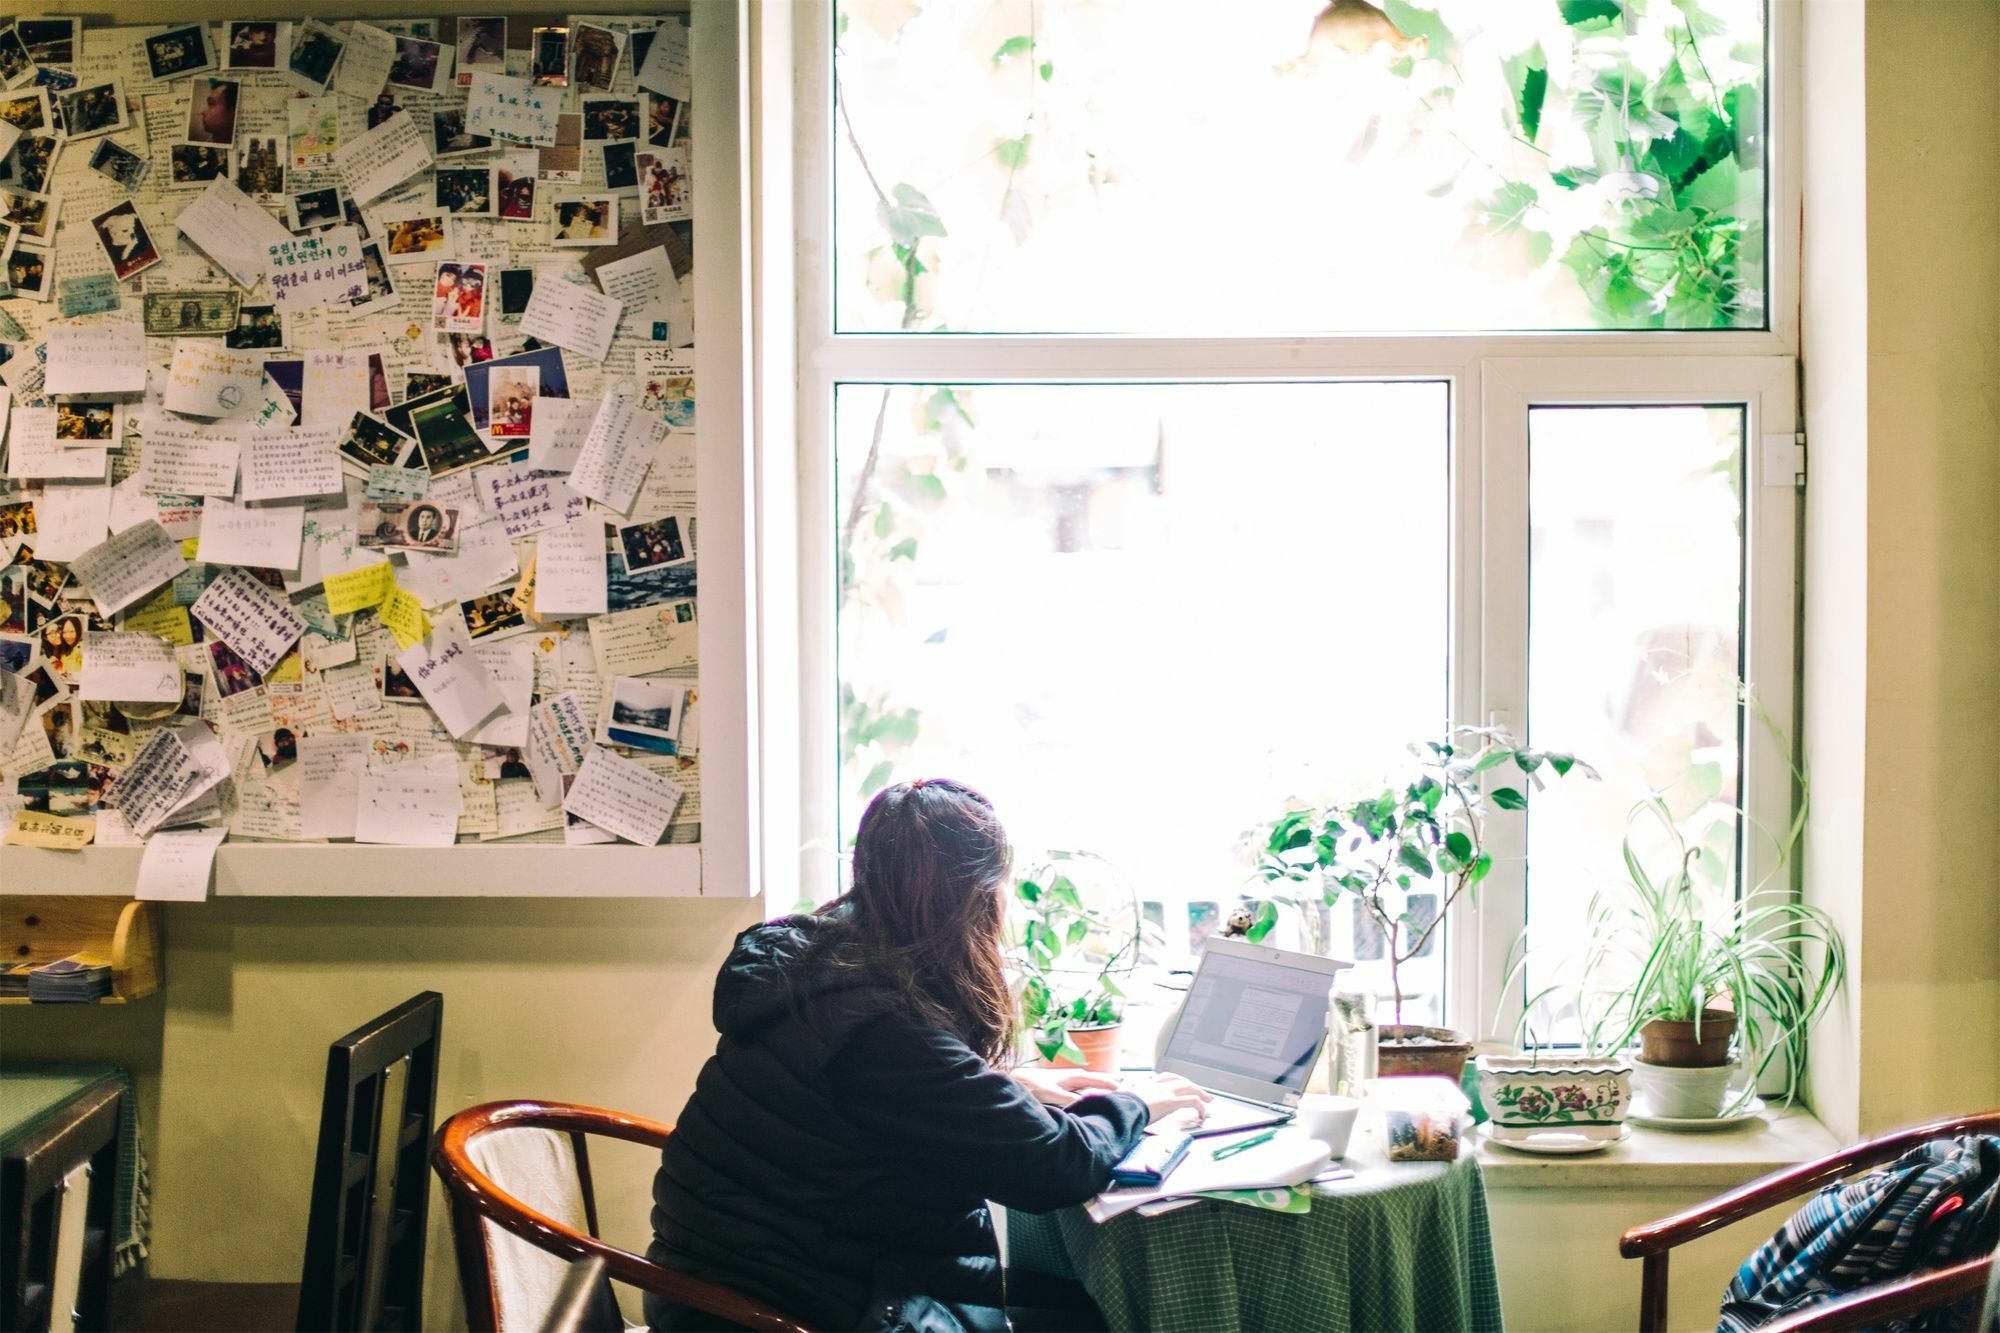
x=837 y=1155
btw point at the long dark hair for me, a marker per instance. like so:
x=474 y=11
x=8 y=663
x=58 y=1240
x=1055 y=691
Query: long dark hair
x=927 y=905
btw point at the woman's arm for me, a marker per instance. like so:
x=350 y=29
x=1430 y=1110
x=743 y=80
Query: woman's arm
x=956 y=1116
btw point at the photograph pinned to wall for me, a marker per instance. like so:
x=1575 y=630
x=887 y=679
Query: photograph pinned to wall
x=30 y=272
x=15 y=63
x=517 y=286
x=443 y=424
x=663 y=113
x=481 y=45
x=383 y=107
x=653 y=544
x=212 y=105
x=401 y=525
x=397 y=687
x=458 y=298
x=490 y=614
x=85 y=422
x=420 y=64
x=548 y=57
x=621 y=168
x=381 y=290
x=551 y=378
x=260 y=169
x=49 y=41
x=232 y=675
x=278 y=749
x=596 y=56
x=466 y=349
x=368 y=442
x=197 y=164
x=664 y=193
x=252 y=43
x=323 y=207
x=416 y=237
x=312 y=125
x=33 y=212
x=315 y=51
x=464 y=191
x=55 y=82
x=179 y=50
x=510 y=401
x=257 y=327
x=588 y=219
x=32 y=162
x=644 y=714
x=450 y=137
x=514 y=187
x=190 y=313
x=127 y=243
x=610 y=119
x=94 y=109
x=27 y=110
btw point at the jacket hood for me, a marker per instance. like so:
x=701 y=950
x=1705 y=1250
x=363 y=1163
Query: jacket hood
x=770 y=975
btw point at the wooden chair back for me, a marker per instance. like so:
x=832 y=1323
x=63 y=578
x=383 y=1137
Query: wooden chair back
x=364 y=1261
x=58 y=1191
x=485 y=1212
x=1653 y=1241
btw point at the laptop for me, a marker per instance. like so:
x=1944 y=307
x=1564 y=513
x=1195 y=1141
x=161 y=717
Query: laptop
x=1252 y=1026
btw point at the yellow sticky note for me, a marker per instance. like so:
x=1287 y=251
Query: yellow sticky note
x=358 y=588
x=290 y=669
x=34 y=829
x=403 y=616
x=160 y=615
x=188 y=547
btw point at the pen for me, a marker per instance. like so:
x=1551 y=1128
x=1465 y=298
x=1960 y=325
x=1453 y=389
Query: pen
x=1232 y=1149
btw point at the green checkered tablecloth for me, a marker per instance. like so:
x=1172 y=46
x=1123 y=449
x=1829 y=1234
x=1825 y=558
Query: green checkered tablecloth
x=1400 y=1246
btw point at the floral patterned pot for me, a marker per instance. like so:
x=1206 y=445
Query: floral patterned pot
x=1523 y=1096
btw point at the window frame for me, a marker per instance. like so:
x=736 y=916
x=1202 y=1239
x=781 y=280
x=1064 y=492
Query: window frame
x=796 y=378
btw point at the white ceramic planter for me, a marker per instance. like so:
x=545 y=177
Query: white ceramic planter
x=1589 y=1098
x=1675 y=1093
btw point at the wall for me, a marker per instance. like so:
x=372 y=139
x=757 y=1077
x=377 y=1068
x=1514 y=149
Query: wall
x=1902 y=605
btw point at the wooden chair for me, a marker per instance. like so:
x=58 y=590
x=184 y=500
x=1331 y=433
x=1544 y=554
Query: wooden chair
x=364 y=1262
x=513 y=1252
x=1928 y=1290
x=58 y=1189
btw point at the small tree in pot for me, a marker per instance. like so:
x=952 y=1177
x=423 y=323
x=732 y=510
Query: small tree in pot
x=1072 y=954
x=1428 y=829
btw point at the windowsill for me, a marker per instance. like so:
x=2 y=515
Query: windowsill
x=1657 y=1158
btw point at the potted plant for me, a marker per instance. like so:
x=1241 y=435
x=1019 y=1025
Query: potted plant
x=1072 y=953
x=1428 y=830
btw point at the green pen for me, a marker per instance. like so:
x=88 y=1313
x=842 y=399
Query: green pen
x=1232 y=1149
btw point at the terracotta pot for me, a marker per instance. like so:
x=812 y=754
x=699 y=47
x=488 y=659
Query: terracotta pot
x=1674 y=1044
x=1099 y=1044
x=1402 y=1052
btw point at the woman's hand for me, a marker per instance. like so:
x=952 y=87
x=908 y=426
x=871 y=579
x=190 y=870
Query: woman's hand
x=1060 y=1087
x=1166 y=1094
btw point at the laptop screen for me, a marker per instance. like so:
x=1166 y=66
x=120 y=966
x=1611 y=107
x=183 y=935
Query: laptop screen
x=1255 y=1018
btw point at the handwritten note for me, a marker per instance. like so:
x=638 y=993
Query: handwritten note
x=560 y=427
x=31 y=828
x=525 y=500
x=159 y=777
x=364 y=63
x=615 y=455
x=301 y=461
x=622 y=797
x=130 y=668
x=570 y=569
x=259 y=624
x=383 y=158
x=233 y=534
x=99 y=356
x=207 y=379
x=403 y=616
x=175 y=866
x=409 y=804
x=355 y=589
x=127 y=567
x=70 y=519
x=330 y=783
x=33 y=451
x=513 y=109
x=459 y=690
x=642 y=283
x=322 y=269
x=182 y=458
x=558 y=739
x=228 y=226
x=668 y=69
x=572 y=317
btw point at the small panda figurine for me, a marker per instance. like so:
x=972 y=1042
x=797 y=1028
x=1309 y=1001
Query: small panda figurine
x=1240 y=920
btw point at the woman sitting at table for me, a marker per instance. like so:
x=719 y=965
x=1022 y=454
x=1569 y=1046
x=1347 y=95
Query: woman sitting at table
x=837 y=1154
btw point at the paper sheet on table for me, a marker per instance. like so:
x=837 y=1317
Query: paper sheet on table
x=415 y=803
x=570 y=316
x=330 y=783
x=128 y=566
x=1289 y=1159
x=281 y=464
x=612 y=464
x=182 y=458
x=622 y=797
x=259 y=624
x=459 y=690
x=230 y=228
x=175 y=866
x=97 y=356
x=383 y=158
x=233 y=534
x=130 y=668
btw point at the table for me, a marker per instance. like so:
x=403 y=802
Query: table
x=1403 y=1245
x=31 y=1094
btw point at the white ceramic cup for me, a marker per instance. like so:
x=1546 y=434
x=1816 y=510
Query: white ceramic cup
x=1328 y=1119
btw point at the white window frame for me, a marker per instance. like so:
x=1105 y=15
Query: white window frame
x=1493 y=378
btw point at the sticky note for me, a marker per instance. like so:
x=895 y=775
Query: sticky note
x=359 y=588
x=403 y=616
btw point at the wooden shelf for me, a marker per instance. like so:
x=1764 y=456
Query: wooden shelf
x=126 y=932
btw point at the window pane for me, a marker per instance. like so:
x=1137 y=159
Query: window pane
x=1171 y=166
x=1635 y=599
x=1140 y=616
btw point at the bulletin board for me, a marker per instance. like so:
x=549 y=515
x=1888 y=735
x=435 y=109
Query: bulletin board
x=352 y=476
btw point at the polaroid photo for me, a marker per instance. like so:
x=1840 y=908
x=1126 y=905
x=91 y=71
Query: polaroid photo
x=316 y=208
x=258 y=327
x=15 y=64
x=17 y=651
x=94 y=109
x=510 y=401
x=548 y=57
x=662 y=115
x=232 y=675
x=381 y=290
x=621 y=167
x=464 y=191
x=551 y=376
x=278 y=750
x=589 y=219
x=172 y=52
x=458 y=298
x=490 y=614
x=127 y=243
x=369 y=442
x=449 y=135
x=34 y=213
x=196 y=164
x=514 y=187
x=383 y=107
x=86 y=422
x=422 y=384
x=408 y=525
x=212 y=110
x=253 y=43
x=654 y=543
x=664 y=194
x=119 y=163
x=444 y=429
x=419 y=64
x=645 y=714
x=596 y=56
x=610 y=119
x=482 y=45
x=315 y=51
x=517 y=287
x=32 y=162
x=49 y=41
x=466 y=350
x=416 y=237
x=260 y=169
x=27 y=110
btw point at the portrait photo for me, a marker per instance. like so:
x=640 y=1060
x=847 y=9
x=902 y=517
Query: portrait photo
x=212 y=110
x=126 y=242
x=586 y=220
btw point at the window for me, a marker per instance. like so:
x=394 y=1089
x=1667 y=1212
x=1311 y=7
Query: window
x=1155 y=467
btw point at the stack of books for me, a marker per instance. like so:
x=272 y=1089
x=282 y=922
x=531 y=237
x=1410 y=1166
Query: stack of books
x=14 y=978
x=77 y=979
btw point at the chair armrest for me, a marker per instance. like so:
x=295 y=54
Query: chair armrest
x=1872 y=1306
